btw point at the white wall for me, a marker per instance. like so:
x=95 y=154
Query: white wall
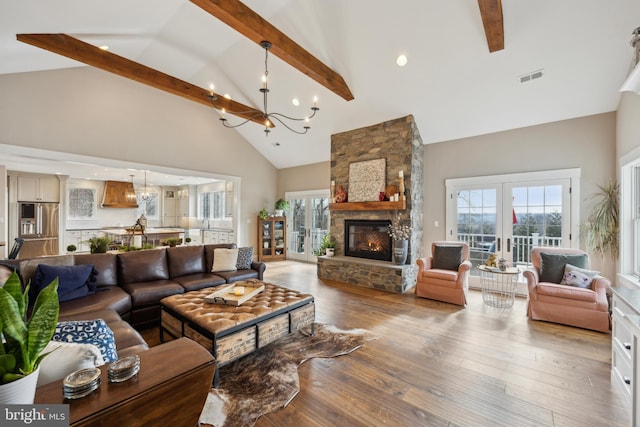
x=94 y=113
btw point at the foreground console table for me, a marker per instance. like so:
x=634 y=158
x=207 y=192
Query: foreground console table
x=170 y=389
x=625 y=349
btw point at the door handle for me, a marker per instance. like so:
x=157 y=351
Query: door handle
x=498 y=249
x=509 y=245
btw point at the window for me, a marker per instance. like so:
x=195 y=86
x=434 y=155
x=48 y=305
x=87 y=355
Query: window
x=212 y=205
x=82 y=203
x=148 y=207
x=630 y=219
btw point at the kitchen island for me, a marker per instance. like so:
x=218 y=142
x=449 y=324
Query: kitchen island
x=154 y=236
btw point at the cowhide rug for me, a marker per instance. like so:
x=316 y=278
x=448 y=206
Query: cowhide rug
x=267 y=380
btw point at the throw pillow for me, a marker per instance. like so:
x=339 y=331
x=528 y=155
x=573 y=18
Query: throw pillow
x=94 y=332
x=447 y=257
x=552 y=265
x=224 y=259
x=245 y=256
x=579 y=277
x=65 y=358
x=74 y=281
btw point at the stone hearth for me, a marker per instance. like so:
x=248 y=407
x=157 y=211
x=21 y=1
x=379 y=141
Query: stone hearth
x=399 y=143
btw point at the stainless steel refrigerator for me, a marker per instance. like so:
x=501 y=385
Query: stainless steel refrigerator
x=38 y=226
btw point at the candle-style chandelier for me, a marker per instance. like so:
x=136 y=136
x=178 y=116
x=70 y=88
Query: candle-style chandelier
x=265 y=114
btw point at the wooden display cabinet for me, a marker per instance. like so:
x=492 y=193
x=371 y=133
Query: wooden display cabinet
x=272 y=239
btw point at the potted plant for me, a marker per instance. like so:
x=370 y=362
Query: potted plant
x=187 y=240
x=172 y=241
x=602 y=227
x=327 y=246
x=24 y=339
x=263 y=214
x=99 y=244
x=281 y=205
x=71 y=248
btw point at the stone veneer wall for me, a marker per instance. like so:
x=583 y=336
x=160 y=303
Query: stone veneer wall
x=399 y=142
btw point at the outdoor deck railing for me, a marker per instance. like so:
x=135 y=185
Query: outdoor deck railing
x=481 y=245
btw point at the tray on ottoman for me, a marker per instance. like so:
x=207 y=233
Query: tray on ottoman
x=230 y=332
x=226 y=295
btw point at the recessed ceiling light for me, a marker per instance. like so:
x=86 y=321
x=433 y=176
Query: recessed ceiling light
x=401 y=60
x=104 y=47
x=226 y=95
x=295 y=101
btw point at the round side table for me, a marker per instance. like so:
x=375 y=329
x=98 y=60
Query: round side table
x=498 y=286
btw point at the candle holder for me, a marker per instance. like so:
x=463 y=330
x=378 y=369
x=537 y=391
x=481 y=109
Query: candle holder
x=401 y=188
x=333 y=191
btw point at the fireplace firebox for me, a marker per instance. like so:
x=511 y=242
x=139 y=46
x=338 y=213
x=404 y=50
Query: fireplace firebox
x=367 y=239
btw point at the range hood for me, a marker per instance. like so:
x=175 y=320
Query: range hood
x=119 y=194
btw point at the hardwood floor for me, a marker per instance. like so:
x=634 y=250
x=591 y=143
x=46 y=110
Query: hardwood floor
x=436 y=364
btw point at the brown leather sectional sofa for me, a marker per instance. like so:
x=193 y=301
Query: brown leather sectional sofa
x=133 y=283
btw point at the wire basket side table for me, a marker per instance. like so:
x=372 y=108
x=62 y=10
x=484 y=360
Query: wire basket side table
x=498 y=286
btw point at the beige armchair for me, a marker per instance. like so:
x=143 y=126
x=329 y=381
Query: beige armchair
x=560 y=303
x=444 y=275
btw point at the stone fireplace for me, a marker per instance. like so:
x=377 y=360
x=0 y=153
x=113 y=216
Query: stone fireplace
x=399 y=143
x=367 y=239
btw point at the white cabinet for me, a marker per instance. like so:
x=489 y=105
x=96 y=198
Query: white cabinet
x=79 y=239
x=625 y=350
x=38 y=189
x=218 y=236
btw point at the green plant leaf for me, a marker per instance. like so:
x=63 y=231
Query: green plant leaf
x=42 y=324
x=13 y=324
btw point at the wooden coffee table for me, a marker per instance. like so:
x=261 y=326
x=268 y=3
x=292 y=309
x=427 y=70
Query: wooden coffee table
x=230 y=332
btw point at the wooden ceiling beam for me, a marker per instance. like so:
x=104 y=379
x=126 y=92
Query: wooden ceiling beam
x=86 y=53
x=492 y=20
x=244 y=20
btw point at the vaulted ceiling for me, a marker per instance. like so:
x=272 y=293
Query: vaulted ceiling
x=463 y=76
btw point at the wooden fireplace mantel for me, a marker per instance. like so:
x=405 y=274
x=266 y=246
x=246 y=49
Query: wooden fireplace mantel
x=368 y=206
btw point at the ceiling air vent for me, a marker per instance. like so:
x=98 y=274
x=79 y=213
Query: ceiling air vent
x=531 y=76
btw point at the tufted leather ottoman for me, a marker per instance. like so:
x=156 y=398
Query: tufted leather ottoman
x=230 y=332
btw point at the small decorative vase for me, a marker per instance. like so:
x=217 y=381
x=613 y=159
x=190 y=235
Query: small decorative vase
x=279 y=212
x=400 y=251
x=20 y=392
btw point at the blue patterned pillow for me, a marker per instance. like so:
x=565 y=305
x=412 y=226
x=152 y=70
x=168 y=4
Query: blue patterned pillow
x=245 y=256
x=94 y=332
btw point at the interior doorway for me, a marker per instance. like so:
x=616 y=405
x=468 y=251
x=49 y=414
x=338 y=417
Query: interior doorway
x=307 y=223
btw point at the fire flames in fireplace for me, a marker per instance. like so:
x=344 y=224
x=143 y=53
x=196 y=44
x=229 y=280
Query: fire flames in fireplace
x=367 y=239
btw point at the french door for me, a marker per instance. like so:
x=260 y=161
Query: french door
x=307 y=223
x=508 y=215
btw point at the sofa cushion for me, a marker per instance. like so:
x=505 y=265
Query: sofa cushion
x=236 y=275
x=194 y=282
x=74 y=281
x=245 y=256
x=185 y=260
x=110 y=297
x=105 y=264
x=142 y=266
x=552 y=265
x=566 y=292
x=447 y=257
x=576 y=276
x=65 y=358
x=94 y=332
x=151 y=292
x=224 y=260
